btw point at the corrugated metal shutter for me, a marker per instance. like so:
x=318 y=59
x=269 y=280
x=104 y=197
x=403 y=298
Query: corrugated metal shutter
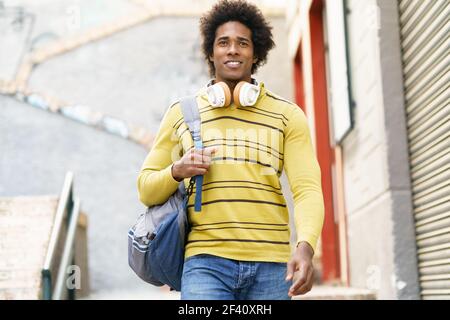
x=424 y=26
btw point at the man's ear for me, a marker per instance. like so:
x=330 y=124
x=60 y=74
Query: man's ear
x=255 y=59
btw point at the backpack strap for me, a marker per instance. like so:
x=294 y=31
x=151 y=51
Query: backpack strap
x=191 y=115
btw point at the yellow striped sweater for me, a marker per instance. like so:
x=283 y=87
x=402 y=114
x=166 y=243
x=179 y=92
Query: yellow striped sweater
x=244 y=214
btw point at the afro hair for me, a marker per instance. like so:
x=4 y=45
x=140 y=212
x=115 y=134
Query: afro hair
x=245 y=13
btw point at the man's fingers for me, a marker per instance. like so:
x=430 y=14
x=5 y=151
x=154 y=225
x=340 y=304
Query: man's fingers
x=208 y=151
x=205 y=150
x=197 y=162
x=199 y=171
x=290 y=270
x=304 y=282
x=306 y=287
x=206 y=159
x=204 y=154
x=301 y=280
x=194 y=166
x=196 y=158
x=297 y=284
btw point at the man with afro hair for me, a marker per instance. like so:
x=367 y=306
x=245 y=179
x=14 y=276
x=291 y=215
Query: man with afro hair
x=238 y=246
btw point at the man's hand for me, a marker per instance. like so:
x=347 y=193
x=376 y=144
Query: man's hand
x=194 y=162
x=301 y=261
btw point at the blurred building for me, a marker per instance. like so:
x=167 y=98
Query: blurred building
x=373 y=76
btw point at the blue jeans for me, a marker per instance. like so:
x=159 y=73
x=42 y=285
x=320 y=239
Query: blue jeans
x=207 y=277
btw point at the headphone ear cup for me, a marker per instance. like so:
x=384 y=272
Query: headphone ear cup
x=237 y=93
x=245 y=94
x=219 y=95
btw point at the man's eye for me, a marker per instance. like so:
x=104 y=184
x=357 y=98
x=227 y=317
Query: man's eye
x=222 y=43
x=244 y=44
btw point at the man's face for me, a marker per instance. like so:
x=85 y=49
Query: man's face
x=233 y=52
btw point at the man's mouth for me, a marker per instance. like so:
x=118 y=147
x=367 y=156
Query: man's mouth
x=233 y=63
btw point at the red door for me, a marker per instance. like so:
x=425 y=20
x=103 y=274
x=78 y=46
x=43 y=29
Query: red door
x=325 y=152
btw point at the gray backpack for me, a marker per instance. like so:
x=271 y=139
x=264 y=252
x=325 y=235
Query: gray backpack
x=157 y=240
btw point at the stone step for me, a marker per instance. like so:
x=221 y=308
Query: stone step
x=153 y=293
x=323 y=292
x=25 y=227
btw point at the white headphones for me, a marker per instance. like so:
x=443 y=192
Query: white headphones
x=244 y=94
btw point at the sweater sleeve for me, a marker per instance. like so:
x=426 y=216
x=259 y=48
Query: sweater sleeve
x=304 y=176
x=155 y=181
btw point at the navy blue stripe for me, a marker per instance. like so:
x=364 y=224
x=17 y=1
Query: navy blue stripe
x=247 y=160
x=241 y=200
x=279 y=99
x=240 y=240
x=245 y=181
x=240 y=222
x=242 y=140
x=280 y=114
x=196 y=229
x=239 y=145
x=245 y=187
x=281 y=119
x=247 y=121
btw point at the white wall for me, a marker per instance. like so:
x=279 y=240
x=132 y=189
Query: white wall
x=377 y=193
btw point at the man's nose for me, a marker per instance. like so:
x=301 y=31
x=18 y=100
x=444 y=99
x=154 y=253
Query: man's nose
x=233 y=48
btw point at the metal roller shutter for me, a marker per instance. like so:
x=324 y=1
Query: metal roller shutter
x=424 y=26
